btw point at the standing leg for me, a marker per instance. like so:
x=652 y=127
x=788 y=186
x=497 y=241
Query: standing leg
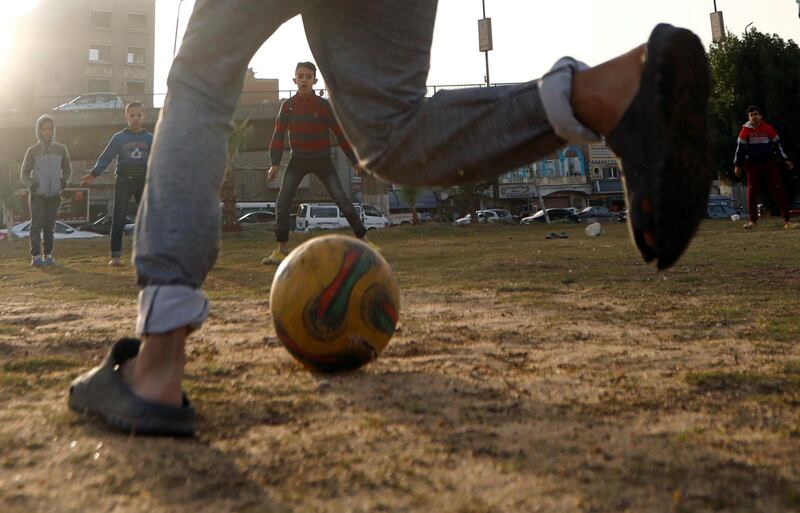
x=177 y=229
x=775 y=183
x=327 y=173
x=51 y=206
x=178 y=225
x=122 y=196
x=36 y=205
x=753 y=177
x=294 y=174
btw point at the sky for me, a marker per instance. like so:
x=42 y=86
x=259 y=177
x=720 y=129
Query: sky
x=529 y=35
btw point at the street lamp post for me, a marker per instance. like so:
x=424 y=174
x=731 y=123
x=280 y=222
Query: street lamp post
x=485 y=46
x=485 y=38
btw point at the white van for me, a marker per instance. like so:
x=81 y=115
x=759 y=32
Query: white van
x=326 y=216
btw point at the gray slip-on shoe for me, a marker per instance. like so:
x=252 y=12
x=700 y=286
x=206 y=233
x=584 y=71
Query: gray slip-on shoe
x=102 y=392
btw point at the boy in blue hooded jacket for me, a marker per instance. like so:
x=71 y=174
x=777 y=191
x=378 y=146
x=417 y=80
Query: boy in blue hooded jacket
x=46 y=169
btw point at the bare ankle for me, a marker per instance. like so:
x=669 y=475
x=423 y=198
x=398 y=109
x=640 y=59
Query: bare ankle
x=157 y=372
x=601 y=95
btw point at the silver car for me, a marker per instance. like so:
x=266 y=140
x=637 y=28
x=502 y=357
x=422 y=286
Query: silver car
x=93 y=101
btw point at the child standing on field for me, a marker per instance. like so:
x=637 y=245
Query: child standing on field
x=131 y=148
x=309 y=120
x=760 y=152
x=46 y=169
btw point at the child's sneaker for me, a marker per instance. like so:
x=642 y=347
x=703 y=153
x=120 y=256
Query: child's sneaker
x=37 y=261
x=790 y=226
x=275 y=258
x=115 y=262
x=749 y=225
x=48 y=260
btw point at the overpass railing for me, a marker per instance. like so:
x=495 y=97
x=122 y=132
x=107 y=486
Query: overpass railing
x=112 y=101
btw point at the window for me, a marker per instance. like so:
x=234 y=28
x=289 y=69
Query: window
x=134 y=88
x=99 y=53
x=320 y=212
x=135 y=56
x=137 y=22
x=100 y=20
x=97 y=85
x=613 y=173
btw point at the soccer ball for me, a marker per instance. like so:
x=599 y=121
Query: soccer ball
x=334 y=303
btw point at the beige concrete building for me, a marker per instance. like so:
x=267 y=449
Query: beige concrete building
x=65 y=48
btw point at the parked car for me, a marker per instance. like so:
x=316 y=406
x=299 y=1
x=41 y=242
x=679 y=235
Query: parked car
x=326 y=216
x=794 y=209
x=487 y=216
x=503 y=216
x=93 y=101
x=721 y=211
x=62 y=231
x=596 y=215
x=717 y=199
x=258 y=218
x=103 y=226
x=556 y=215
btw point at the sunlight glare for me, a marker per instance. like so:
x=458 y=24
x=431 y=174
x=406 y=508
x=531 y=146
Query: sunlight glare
x=11 y=11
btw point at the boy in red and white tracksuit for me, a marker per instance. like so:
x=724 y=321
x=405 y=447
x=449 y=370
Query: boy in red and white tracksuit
x=759 y=150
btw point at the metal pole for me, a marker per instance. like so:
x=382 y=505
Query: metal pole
x=486 y=54
x=177 y=21
x=715 y=6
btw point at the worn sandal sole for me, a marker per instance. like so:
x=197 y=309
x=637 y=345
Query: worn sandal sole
x=663 y=144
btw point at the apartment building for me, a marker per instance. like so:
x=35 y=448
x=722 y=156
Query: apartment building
x=66 y=48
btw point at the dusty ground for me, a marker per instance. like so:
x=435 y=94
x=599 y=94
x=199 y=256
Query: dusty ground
x=528 y=375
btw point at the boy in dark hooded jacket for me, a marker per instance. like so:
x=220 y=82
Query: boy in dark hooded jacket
x=46 y=169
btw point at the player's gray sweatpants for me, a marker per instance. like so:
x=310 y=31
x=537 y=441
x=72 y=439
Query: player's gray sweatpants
x=374 y=57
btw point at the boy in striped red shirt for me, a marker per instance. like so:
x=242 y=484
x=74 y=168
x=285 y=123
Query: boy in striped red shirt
x=760 y=152
x=309 y=120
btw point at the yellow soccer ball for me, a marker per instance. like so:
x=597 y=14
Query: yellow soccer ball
x=334 y=303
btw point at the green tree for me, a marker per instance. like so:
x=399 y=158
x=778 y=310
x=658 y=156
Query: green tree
x=754 y=69
x=237 y=143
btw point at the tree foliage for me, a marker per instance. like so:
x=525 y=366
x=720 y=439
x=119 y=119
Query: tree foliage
x=754 y=69
x=237 y=143
x=10 y=186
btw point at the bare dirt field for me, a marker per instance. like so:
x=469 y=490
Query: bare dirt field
x=528 y=375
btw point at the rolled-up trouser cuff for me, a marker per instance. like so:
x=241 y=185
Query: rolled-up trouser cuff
x=163 y=308
x=555 y=90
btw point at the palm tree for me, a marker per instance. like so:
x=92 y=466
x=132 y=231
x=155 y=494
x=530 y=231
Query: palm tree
x=237 y=142
x=410 y=195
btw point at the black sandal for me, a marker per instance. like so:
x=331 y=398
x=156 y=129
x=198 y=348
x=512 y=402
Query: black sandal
x=102 y=391
x=663 y=143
